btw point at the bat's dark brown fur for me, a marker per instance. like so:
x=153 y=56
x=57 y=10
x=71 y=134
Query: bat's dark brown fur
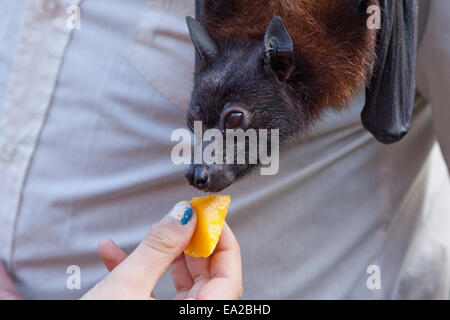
x=334 y=49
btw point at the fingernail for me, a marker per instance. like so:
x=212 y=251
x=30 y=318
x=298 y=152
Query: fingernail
x=182 y=212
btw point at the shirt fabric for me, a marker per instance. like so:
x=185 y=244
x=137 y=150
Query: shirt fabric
x=86 y=117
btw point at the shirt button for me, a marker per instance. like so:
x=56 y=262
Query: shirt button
x=51 y=7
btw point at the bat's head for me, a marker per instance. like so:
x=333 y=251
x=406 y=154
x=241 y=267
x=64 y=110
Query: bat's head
x=255 y=71
x=241 y=85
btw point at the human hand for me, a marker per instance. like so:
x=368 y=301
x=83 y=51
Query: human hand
x=135 y=276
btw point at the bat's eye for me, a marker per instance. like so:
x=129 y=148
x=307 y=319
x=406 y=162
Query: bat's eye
x=234 y=120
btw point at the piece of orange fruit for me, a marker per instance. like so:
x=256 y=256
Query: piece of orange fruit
x=211 y=212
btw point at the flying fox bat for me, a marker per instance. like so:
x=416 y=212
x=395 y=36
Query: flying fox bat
x=267 y=64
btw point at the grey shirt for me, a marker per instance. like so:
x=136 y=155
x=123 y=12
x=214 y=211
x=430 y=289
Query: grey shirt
x=86 y=117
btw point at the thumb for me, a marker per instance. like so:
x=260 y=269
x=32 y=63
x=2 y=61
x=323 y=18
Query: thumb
x=166 y=241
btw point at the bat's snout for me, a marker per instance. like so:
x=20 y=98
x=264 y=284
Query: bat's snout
x=198 y=177
x=209 y=178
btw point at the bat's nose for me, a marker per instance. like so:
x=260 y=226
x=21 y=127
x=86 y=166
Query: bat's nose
x=198 y=177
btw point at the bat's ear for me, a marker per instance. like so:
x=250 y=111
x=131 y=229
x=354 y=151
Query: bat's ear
x=203 y=42
x=279 y=49
x=390 y=95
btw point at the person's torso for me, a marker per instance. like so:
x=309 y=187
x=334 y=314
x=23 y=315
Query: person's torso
x=98 y=165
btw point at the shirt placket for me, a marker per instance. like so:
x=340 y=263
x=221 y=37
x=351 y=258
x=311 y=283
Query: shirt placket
x=42 y=44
